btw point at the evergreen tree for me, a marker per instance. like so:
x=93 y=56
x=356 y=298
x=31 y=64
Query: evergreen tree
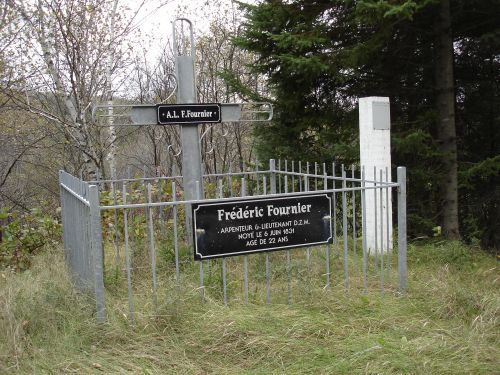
x=320 y=56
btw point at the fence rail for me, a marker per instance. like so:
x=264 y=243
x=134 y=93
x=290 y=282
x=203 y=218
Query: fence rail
x=116 y=230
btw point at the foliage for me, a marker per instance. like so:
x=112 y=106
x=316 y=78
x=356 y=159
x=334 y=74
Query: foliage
x=319 y=57
x=23 y=236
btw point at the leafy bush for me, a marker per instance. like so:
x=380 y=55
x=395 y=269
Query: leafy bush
x=22 y=236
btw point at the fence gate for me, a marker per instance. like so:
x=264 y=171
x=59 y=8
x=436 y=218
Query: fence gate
x=259 y=235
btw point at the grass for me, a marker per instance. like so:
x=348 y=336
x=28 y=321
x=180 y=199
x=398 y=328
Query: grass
x=446 y=324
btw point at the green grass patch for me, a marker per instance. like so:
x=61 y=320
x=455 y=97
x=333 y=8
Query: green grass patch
x=446 y=324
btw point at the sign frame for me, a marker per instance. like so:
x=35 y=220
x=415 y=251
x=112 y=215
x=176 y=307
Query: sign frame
x=261 y=199
x=201 y=106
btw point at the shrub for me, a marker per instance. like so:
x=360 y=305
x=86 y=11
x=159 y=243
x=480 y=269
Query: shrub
x=23 y=236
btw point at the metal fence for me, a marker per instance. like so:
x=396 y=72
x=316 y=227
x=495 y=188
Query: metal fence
x=122 y=232
x=82 y=235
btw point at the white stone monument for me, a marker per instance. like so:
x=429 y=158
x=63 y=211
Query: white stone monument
x=375 y=157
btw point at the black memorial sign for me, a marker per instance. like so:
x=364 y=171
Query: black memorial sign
x=188 y=113
x=237 y=227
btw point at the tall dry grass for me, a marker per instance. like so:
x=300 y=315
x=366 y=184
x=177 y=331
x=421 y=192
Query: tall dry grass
x=447 y=324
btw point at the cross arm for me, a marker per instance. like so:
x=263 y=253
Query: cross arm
x=147 y=114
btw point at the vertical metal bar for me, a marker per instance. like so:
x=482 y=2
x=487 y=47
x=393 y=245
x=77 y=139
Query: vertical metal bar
x=62 y=195
x=308 y=250
x=289 y=276
x=306 y=178
x=82 y=239
x=69 y=218
x=224 y=289
x=202 y=287
x=86 y=239
x=268 y=279
x=344 y=225
x=257 y=175
x=300 y=178
x=286 y=177
x=76 y=221
x=80 y=245
x=245 y=278
x=230 y=179
x=64 y=213
x=388 y=206
x=272 y=176
x=88 y=259
x=67 y=208
x=176 y=242
x=224 y=284
x=288 y=260
x=74 y=217
x=402 y=267
x=127 y=255
x=174 y=168
x=190 y=138
x=327 y=250
x=161 y=214
x=97 y=251
x=245 y=257
x=293 y=176
x=115 y=226
x=315 y=178
x=375 y=214
x=325 y=173
x=381 y=235
x=279 y=176
x=334 y=211
x=202 y=277
x=152 y=251
x=353 y=219
x=145 y=193
x=363 y=223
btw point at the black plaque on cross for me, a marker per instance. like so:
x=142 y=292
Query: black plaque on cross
x=188 y=113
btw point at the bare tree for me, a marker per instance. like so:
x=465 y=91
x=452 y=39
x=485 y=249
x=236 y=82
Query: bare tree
x=71 y=58
x=109 y=70
x=154 y=83
x=223 y=146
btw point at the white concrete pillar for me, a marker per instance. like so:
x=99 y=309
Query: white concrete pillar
x=375 y=156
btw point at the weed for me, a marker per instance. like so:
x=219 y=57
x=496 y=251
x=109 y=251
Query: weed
x=446 y=324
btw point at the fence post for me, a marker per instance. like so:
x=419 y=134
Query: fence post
x=272 y=176
x=62 y=194
x=402 y=267
x=97 y=255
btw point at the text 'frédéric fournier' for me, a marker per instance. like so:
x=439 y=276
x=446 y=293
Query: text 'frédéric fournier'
x=258 y=212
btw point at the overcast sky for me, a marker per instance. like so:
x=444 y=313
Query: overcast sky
x=154 y=19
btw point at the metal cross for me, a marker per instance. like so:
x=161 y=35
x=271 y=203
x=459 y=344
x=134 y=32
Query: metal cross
x=187 y=113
